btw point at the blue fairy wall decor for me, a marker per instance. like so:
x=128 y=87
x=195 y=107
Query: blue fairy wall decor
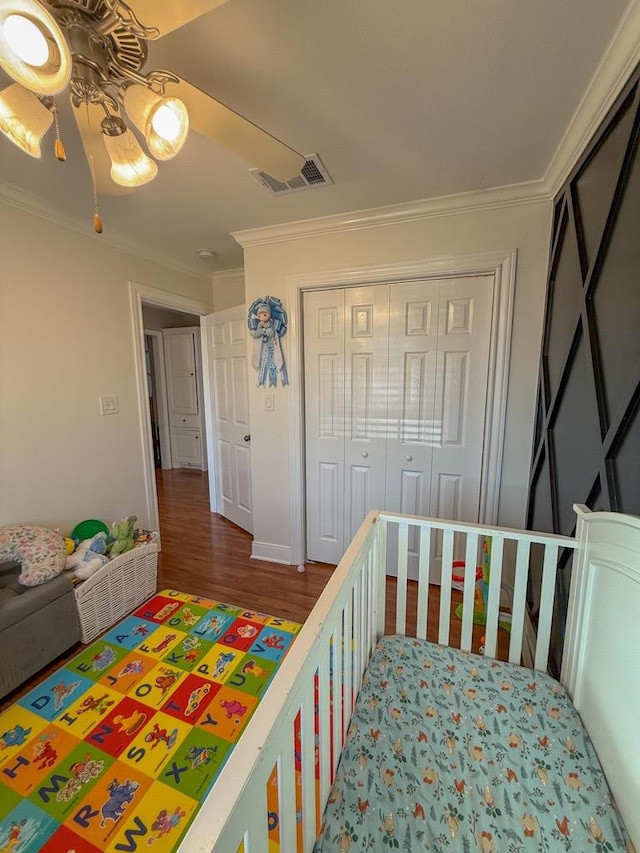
x=267 y=323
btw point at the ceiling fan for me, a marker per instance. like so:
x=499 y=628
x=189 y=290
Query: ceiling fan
x=97 y=50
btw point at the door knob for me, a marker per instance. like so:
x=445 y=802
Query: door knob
x=409 y=457
x=247 y=438
x=364 y=454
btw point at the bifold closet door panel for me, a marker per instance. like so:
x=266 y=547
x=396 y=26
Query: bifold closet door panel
x=324 y=356
x=367 y=422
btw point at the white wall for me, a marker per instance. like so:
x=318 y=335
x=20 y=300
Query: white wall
x=228 y=289
x=524 y=227
x=65 y=339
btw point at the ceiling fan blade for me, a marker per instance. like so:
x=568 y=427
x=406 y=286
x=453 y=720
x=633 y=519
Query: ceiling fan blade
x=166 y=17
x=240 y=136
x=88 y=118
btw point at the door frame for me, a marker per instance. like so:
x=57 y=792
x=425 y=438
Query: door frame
x=139 y=293
x=502 y=266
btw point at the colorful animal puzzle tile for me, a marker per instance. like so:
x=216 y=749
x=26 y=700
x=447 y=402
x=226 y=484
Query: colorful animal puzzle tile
x=117 y=749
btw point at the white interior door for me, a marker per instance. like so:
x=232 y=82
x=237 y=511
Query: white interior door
x=439 y=347
x=464 y=339
x=180 y=362
x=227 y=356
x=324 y=371
x=346 y=334
x=395 y=389
x=366 y=340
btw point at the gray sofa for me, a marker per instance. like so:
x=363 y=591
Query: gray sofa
x=37 y=624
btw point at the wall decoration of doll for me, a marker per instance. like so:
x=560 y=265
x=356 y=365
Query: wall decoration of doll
x=267 y=323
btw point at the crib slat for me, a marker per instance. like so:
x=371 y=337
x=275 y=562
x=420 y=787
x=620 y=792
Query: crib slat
x=256 y=840
x=364 y=622
x=423 y=582
x=380 y=558
x=287 y=795
x=372 y=584
x=347 y=622
x=308 y=757
x=468 y=600
x=519 y=600
x=445 y=587
x=338 y=695
x=357 y=622
x=493 y=603
x=545 y=614
x=401 y=585
x=324 y=710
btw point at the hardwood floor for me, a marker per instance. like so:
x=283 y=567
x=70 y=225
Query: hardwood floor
x=207 y=555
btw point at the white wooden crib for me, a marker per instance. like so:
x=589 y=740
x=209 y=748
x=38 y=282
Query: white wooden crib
x=600 y=668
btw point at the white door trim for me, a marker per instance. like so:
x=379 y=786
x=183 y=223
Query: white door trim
x=161 y=299
x=502 y=265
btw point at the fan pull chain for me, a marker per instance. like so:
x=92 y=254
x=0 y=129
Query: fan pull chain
x=61 y=154
x=97 y=219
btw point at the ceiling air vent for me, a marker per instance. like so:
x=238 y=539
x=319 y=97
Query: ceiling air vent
x=313 y=174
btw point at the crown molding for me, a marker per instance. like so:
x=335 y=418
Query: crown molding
x=616 y=66
x=531 y=192
x=22 y=200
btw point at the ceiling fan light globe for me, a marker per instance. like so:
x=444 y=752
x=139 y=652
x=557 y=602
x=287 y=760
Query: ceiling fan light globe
x=23 y=118
x=33 y=49
x=163 y=121
x=130 y=166
x=26 y=39
x=167 y=129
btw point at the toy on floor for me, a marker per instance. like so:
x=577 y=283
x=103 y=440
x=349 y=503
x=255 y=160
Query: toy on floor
x=482 y=591
x=122 y=533
x=89 y=556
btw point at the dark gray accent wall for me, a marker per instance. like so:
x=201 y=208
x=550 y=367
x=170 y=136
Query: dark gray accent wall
x=587 y=438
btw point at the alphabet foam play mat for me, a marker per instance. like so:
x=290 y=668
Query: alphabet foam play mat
x=116 y=750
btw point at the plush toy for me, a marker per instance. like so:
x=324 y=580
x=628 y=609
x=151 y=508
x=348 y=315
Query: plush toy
x=122 y=534
x=89 y=556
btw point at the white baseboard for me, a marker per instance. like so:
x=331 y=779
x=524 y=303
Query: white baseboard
x=271 y=553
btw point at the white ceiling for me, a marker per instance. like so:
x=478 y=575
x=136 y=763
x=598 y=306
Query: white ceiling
x=402 y=99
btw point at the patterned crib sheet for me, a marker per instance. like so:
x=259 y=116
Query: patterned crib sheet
x=447 y=750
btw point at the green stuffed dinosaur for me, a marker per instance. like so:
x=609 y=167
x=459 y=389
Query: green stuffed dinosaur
x=122 y=534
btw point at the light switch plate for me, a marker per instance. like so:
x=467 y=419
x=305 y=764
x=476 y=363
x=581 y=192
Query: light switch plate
x=269 y=403
x=109 y=405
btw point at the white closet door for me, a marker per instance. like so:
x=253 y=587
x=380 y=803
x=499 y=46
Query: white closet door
x=464 y=338
x=324 y=374
x=412 y=428
x=395 y=389
x=366 y=342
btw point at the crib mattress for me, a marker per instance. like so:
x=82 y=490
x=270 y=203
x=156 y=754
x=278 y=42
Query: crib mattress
x=449 y=750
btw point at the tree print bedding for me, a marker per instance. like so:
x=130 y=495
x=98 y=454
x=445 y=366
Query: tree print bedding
x=448 y=750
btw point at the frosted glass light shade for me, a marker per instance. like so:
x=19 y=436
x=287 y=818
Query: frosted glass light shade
x=33 y=49
x=130 y=166
x=23 y=118
x=164 y=121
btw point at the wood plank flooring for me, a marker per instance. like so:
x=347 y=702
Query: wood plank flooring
x=204 y=554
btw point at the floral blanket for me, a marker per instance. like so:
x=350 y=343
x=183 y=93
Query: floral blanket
x=451 y=751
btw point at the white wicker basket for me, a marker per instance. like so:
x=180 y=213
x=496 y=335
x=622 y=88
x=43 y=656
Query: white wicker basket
x=116 y=589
